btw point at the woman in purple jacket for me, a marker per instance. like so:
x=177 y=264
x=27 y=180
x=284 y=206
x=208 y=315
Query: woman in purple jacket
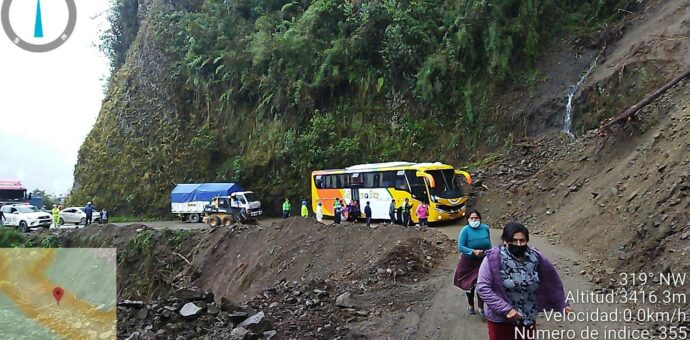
x=516 y=282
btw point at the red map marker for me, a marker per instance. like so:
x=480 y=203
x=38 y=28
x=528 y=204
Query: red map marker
x=58 y=293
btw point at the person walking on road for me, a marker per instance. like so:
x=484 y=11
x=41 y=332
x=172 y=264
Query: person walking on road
x=391 y=211
x=88 y=209
x=336 y=211
x=319 y=212
x=349 y=211
x=104 y=216
x=286 y=208
x=423 y=214
x=516 y=282
x=405 y=211
x=305 y=210
x=367 y=213
x=56 y=215
x=356 y=211
x=473 y=240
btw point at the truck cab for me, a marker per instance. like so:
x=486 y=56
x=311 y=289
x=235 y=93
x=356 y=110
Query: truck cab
x=246 y=201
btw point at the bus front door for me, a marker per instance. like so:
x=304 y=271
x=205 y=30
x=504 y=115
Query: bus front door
x=354 y=195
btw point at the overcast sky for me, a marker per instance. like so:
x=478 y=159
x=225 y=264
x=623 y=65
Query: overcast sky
x=49 y=101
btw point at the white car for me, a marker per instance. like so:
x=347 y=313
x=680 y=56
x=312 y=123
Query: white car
x=77 y=215
x=24 y=217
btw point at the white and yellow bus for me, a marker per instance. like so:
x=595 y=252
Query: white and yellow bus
x=440 y=185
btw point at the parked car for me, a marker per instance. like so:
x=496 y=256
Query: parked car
x=76 y=215
x=25 y=216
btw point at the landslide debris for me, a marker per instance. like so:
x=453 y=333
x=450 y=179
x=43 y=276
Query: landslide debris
x=621 y=199
x=190 y=314
x=308 y=279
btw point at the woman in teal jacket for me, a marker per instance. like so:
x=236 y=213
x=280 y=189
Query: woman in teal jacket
x=473 y=240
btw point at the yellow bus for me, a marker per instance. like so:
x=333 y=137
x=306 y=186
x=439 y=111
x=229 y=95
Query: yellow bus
x=440 y=185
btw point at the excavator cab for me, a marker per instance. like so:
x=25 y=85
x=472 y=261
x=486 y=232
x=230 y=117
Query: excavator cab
x=224 y=210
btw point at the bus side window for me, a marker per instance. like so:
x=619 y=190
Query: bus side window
x=388 y=179
x=400 y=183
x=367 y=180
x=318 y=181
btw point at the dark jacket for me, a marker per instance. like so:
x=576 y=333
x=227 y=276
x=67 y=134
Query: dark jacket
x=367 y=211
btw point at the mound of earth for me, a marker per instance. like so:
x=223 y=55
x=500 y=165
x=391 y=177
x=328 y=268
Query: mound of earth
x=231 y=263
x=309 y=279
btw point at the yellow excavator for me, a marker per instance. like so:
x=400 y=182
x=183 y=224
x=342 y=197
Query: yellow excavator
x=225 y=210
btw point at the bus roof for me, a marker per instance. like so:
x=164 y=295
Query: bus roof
x=387 y=166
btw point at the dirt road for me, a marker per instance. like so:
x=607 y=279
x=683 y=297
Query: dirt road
x=444 y=315
x=180 y=225
x=436 y=309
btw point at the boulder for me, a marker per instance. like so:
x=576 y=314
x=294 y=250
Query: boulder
x=256 y=323
x=189 y=294
x=239 y=333
x=143 y=313
x=345 y=300
x=190 y=311
x=238 y=317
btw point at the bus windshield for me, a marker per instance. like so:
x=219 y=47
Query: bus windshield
x=447 y=185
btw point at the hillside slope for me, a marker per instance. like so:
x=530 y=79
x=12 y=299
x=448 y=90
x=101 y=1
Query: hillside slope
x=263 y=93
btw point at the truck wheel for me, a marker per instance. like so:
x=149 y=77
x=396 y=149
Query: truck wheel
x=61 y=221
x=214 y=221
x=23 y=227
x=194 y=218
x=228 y=220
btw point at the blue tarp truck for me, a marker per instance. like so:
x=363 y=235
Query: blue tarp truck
x=188 y=200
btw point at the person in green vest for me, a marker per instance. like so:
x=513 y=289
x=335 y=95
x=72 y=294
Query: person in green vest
x=286 y=208
x=406 y=208
x=337 y=209
x=305 y=210
x=56 y=215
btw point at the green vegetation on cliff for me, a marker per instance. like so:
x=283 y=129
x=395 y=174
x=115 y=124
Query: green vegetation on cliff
x=264 y=92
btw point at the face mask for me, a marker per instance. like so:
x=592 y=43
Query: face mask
x=517 y=251
x=474 y=224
